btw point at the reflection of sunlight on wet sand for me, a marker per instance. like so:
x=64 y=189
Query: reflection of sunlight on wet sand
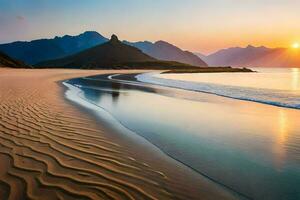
x=282 y=131
x=295 y=79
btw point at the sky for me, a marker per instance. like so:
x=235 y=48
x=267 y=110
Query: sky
x=196 y=25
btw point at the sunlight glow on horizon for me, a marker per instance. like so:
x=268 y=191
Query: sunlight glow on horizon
x=296 y=45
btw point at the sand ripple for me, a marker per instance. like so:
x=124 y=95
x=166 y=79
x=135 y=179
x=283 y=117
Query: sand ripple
x=51 y=150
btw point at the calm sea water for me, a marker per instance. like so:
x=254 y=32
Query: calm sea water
x=277 y=86
x=250 y=148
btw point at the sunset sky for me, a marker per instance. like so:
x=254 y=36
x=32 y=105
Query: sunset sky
x=196 y=25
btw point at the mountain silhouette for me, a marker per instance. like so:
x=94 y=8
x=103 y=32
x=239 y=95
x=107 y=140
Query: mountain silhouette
x=48 y=49
x=165 y=51
x=106 y=55
x=44 y=49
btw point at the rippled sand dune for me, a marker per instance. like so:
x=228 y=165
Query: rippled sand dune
x=51 y=149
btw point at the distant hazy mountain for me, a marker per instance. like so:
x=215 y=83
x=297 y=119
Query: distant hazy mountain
x=106 y=55
x=255 y=57
x=164 y=51
x=6 y=61
x=44 y=49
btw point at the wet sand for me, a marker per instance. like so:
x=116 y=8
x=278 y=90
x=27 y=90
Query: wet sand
x=52 y=149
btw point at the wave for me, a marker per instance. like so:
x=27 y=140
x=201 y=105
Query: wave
x=282 y=98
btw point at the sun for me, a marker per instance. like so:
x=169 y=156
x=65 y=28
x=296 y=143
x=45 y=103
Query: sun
x=296 y=45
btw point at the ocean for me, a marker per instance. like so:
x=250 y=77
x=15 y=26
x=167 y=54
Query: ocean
x=275 y=86
x=240 y=130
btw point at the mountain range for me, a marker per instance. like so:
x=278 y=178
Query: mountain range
x=165 y=51
x=109 y=54
x=36 y=51
x=113 y=54
x=44 y=49
x=251 y=56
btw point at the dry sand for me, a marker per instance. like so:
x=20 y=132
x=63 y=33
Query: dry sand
x=52 y=149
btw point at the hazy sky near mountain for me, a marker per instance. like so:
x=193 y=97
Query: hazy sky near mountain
x=197 y=25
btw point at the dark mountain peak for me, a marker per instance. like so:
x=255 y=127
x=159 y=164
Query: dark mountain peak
x=114 y=39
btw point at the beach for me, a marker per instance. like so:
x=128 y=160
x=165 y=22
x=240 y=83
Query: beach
x=51 y=148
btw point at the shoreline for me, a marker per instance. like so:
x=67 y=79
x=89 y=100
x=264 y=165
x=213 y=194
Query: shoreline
x=62 y=140
x=133 y=95
x=132 y=134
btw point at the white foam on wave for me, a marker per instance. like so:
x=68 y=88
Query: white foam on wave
x=283 y=98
